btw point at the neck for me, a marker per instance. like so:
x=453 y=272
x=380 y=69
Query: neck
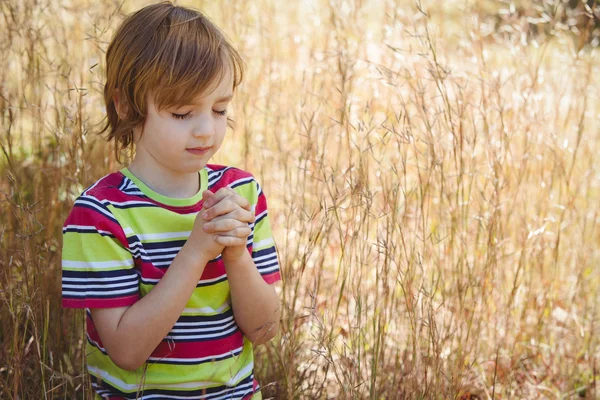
x=163 y=180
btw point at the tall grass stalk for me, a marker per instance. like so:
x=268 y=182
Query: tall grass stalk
x=431 y=175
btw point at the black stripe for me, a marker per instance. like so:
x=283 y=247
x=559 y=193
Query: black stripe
x=206 y=318
x=110 y=217
x=129 y=272
x=132 y=286
x=245 y=182
x=264 y=252
x=126 y=206
x=175 y=337
x=89 y=230
x=263 y=216
x=214 y=391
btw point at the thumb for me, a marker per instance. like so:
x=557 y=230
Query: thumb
x=206 y=195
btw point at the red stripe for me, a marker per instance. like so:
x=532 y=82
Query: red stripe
x=199 y=349
x=261 y=204
x=213 y=269
x=229 y=176
x=88 y=217
x=100 y=303
x=91 y=330
x=272 y=277
x=119 y=196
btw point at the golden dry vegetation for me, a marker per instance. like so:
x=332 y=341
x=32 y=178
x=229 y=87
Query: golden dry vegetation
x=432 y=178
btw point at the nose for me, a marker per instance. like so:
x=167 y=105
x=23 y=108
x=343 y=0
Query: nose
x=204 y=125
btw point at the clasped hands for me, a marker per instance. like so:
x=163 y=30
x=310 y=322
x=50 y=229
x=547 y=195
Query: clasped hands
x=227 y=215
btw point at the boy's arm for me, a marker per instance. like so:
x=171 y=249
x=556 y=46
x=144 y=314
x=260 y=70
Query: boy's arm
x=130 y=334
x=255 y=303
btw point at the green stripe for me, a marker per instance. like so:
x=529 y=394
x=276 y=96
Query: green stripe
x=170 y=200
x=159 y=376
x=93 y=247
x=213 y=296
x=149 y=220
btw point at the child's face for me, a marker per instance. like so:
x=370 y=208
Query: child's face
x=181 y=140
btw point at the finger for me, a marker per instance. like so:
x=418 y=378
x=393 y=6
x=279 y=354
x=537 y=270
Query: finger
x=228 y=209
x=239 y=232
x=229 y=240
x=223 y=225
x=225 y=193
x=211 y=198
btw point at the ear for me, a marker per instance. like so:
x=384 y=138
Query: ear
x=120 y=105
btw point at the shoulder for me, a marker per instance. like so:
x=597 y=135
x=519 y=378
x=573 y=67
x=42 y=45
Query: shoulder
x=106 y=189
x=220 y=176
x=94 y=201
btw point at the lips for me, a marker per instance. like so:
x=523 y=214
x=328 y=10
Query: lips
x=199 y=150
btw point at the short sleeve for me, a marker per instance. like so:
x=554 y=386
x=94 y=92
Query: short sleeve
x=260 y=242
x=97 y=268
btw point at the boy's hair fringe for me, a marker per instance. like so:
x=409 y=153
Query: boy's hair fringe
x=174 y=52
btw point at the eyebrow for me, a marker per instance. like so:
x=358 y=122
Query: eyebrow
x=226 y=98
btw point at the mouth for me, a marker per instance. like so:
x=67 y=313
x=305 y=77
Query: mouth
x=199 y=150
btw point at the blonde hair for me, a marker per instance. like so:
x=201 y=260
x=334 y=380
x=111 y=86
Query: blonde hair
x=174 y=52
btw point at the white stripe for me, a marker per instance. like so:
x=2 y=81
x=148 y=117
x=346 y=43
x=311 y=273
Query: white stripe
x=94 y=185
x=128 y=231
x=272 y=255
x=206 y=336
x=95 y=343
x=132 y=386
x=166 y=235
x=239 y=181
x=260 y=215
x=219 y=329
x=126 y=203
x=80 y=227
x=202 y=281
x=84 y=200
x=133 y=192
x=228 y=394
x=166 y=249
x=263 y=243
x=264 y=263
x=243 y=372
x=162 y=257
x=109 y=279
x=271 y=269
x=206 y=310
x=96 y=293
x=203 y=323
x=112 y=285
x=91 y=265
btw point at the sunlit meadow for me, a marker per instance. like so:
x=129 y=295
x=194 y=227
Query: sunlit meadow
x=432 y=176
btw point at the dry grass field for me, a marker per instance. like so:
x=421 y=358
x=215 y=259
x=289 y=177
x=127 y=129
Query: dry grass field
x=433 y=181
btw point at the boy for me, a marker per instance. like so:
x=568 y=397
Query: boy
x=172 y=258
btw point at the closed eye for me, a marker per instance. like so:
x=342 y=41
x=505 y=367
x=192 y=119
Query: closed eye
x=187 y=115
x=181 y=116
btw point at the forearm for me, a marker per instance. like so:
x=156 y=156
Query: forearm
x=156 y=313
x=255 y=303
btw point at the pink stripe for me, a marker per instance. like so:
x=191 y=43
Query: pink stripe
x=200 y=348
x=212 y=270
x=261 y=204
x=100 y=303
x=88 y=217
x=272 y=277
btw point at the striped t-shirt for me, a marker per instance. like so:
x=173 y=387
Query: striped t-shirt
x=118 y=241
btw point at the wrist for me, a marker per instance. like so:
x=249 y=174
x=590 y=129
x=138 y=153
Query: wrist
x=234 y=254
x=194 y=255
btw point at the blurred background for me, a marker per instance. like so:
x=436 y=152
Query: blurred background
x=432 y=175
